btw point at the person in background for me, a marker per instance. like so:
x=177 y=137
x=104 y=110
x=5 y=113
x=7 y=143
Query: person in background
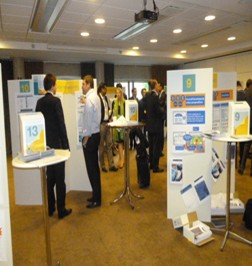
x=119 y=85
x=163 y=104
x=90 y=123
x=240 y=96
x=106 y=137
x=56 y=138
x=132 y=132
x=118 y=109
x=142 y=111
x=248 y=93
x=154 y=124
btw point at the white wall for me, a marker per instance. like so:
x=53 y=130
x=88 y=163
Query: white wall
x=240 y=63
x=130 y=73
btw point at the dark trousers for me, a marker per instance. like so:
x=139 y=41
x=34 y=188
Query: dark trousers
x=245 y=154
x=92 y=165
x=162 y=138
x=154 y=149
x=56 y=176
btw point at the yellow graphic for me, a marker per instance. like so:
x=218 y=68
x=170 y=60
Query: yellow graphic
x=189 y=83
x=242 y=128
x=38 y=144
x=134 y=116
x=215 y=80
x=68 y=86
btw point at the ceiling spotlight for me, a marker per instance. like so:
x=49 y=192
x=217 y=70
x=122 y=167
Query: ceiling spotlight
x=84 y=34
x=204 y=45
x=232 y=38
x=135 y=48
x=153 y=40
x=210 y=17
x=183 y=51
x=99 y=21
x=177 y=31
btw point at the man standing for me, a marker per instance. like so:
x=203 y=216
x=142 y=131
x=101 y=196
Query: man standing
x=163 y=103
x=154 y=125
x=133 y=131
x=56 y=137
x=106 y=137
x=90 y=123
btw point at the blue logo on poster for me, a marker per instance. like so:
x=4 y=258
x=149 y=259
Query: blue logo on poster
x=188 y=83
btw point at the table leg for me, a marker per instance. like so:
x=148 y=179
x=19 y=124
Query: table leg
x=46 y=222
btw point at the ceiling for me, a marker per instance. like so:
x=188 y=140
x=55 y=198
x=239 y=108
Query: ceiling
x=64 y=43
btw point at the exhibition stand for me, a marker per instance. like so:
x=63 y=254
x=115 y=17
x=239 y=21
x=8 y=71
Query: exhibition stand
x=227 y=231
x=41 y=164
x=127 y=191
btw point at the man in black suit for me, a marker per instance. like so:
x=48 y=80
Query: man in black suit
x=56 y=137
x=133 y=131
x=154 y=124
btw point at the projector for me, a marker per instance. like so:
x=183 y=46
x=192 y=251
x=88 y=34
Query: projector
x=146 y=16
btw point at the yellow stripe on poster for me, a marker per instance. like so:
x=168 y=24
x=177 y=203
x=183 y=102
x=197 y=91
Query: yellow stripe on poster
x=68 y=86
x=215 y=80
x=111 y=90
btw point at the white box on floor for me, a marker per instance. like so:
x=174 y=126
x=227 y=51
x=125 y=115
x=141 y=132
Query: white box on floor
x=197 y=232
x=131 y=110
x=32 y=133
x=238 y=118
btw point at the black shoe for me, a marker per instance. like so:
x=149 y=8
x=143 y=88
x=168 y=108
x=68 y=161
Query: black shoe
x=158 y=170
x=90 y=199
x=93 y=205
x=113 y=168
x=51 y=212
x=240 y=171
x=144 y=185
x=65 y=213
x=104 y=169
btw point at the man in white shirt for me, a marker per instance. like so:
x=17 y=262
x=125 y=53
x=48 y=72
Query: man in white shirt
x=90 y=123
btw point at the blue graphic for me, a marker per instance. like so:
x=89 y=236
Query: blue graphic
x=189 y=83
x=195 y=117
x=195 y=100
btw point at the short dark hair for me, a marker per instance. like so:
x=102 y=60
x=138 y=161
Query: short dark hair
x=152 y=84
x=248 y=83
x=101 y=86
x=119 y=85
x=238 y=83
x=49 y=81
x=132 y=90
x=89 y=80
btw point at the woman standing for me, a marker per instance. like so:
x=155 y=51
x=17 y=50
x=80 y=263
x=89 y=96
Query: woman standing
x=118 y=108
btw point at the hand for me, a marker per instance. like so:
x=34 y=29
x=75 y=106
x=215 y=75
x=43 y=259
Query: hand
x=83 y=100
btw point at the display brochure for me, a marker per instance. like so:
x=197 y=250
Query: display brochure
x=32 y=133
x=176 y=171
x=217 y=166
x=194 y=194
x=131 y=110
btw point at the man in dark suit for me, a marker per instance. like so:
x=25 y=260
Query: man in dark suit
x=56 y=137
x=133 y=131
x=154 y=124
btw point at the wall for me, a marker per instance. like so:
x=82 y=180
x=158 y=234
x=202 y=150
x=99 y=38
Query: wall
x=240 y=63
x=63 y=69
x=130 y=73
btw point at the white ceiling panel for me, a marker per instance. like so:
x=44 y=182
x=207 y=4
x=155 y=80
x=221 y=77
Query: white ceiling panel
x=233 y=17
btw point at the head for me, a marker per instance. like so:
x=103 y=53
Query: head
x=87 y=83
x=238 y=85
x=119 y=94
x=102 y=89
x=143 y=92
x=161 y=86
x=249 y=84
x=134 y=92
x=50 y=83
x=153 y=85
x=119 y=85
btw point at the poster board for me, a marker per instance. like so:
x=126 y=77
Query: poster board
x=189 y=112
x=22 y=98
x=5 y=230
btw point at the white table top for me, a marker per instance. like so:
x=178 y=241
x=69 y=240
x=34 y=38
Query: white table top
x=60 y=156
x=228 y=138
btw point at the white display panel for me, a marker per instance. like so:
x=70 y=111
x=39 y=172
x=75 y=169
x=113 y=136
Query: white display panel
x=189 y=112
x=5 y=231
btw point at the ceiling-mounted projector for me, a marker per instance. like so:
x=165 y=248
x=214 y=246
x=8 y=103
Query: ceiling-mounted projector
x=146 y=16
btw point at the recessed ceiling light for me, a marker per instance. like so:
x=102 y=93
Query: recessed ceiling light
x=85 y=34
x=153 y=40
x=232 y=38
x=177 y=31
x=204 y=45
x=99 y=21
x=135 y=48
x=183 y=51
x=210 y=17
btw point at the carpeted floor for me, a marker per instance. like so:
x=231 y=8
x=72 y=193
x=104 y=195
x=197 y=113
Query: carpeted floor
x=118 y=235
